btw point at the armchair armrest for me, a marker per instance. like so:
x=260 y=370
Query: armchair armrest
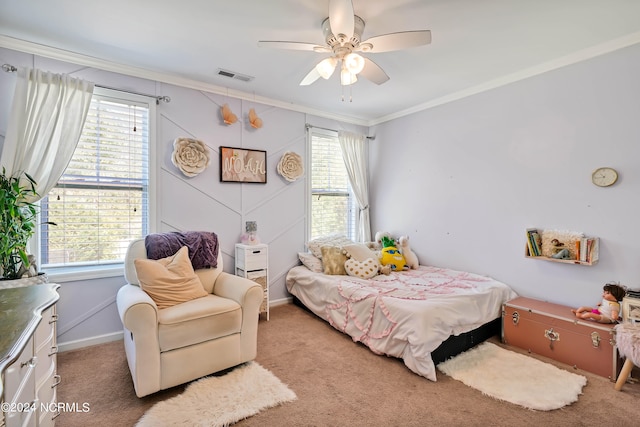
x=136 y=308
x=245 y=292
x=249 y=295
x=139 y=316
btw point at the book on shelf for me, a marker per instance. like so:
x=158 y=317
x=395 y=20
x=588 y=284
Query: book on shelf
x=582 y=253
x=534 y=242
x=592 y=249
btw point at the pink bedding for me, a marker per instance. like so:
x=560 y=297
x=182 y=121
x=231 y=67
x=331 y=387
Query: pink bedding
x=406 y=314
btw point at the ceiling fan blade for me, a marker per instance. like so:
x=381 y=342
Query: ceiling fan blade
x=310 y=78
x=397 y=41
x=293 y=46
x=341 y=17
x=373 y=72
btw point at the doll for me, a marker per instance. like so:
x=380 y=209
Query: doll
x=608 y=310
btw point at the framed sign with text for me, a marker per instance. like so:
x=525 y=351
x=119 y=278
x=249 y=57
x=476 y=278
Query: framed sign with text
x=243 y=165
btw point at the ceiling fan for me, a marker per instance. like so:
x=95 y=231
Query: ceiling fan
x=343 y=32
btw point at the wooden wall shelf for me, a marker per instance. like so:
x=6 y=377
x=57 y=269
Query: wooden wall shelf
x=591 y=256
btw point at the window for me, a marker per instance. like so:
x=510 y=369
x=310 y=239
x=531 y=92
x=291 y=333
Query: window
x=101 y=201
x=332 y=203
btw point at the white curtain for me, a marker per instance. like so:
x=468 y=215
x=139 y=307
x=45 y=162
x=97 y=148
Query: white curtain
x=354 y=153
x=44 y=128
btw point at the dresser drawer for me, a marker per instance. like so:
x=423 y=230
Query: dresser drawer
x=20 y=375
x=19 y=389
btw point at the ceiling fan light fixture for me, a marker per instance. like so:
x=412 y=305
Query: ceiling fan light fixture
x=326 y=67
x=354 y=63
x=346 y=77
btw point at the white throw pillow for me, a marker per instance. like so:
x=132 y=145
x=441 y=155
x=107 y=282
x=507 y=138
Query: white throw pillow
x=310 y=261
x=362 y=269
x=339 y=240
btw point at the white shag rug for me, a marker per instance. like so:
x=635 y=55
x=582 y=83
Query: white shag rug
x=221 y=400
x=514 y=377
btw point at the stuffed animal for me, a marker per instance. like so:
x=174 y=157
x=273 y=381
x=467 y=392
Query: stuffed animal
x=384 y=269
x=410 y=257
x=379 y=236
x=391 y=256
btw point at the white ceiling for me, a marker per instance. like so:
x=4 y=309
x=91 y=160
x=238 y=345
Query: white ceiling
x=477 y=44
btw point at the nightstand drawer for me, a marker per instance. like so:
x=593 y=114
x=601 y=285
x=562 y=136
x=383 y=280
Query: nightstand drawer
x=253 y=259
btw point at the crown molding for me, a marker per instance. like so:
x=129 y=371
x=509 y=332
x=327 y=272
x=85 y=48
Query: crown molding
x=579 y=56
x=89 y=61
x=101 y=64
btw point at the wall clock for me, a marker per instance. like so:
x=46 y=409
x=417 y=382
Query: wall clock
x=604 y=177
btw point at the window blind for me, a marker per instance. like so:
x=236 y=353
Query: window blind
x=100 y=203
x=331 y=199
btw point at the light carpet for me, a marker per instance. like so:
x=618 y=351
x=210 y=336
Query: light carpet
x=515 y=377
x=221 y=400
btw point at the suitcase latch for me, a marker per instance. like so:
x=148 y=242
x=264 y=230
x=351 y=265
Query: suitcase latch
x=515 y=317
x=595 y=339
x=552 y=336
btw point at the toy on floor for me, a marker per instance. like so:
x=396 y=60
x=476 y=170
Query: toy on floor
x=608 y=310
x=410 y=257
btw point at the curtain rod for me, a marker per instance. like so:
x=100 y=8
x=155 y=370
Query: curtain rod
x=12 y=69
x=307 y=125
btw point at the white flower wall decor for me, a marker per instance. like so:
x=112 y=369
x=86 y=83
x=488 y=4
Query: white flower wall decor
x=191 y=156
x=290 y=166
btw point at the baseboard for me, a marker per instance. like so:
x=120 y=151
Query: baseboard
x=282 y=301
x=87 y=342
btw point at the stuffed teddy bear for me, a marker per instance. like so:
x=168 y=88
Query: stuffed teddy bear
x=410 y=257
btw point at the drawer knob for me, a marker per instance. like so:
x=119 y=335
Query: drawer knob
x=56 y=380
x=31 y=362
x=54 y=318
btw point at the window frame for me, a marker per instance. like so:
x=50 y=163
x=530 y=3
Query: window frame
x=311 y=131
x=97 y=271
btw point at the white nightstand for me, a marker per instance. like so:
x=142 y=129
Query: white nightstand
x=252 y=262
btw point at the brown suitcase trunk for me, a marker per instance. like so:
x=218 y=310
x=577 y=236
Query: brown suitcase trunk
x=553 y=331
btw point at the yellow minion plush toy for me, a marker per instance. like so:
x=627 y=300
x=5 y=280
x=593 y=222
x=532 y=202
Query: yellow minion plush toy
x=390 y=255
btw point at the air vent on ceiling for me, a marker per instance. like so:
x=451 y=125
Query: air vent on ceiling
x=234 y=75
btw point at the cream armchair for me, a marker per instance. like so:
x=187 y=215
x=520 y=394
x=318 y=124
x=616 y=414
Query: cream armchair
x=178 y=344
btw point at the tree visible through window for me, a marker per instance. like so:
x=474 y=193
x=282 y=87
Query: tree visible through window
x=332 y=204
x=101 y=202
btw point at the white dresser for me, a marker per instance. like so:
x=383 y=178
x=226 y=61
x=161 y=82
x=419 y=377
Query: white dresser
x=252 y=262
x=28 y=352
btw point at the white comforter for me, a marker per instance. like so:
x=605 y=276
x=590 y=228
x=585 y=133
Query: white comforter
x=406 y=314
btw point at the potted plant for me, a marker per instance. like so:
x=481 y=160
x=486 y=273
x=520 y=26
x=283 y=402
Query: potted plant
x=17 y=224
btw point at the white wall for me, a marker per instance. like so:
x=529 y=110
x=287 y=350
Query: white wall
x=87 y=307
x=464 y=180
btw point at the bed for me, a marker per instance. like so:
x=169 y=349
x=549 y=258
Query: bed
x=422 y=316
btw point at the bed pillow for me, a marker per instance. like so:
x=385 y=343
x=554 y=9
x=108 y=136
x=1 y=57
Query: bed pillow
x=363 y=269
x=360 y=252
x=311 y=262
x=315 y=245
x=333 y=259
x=169 y=281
